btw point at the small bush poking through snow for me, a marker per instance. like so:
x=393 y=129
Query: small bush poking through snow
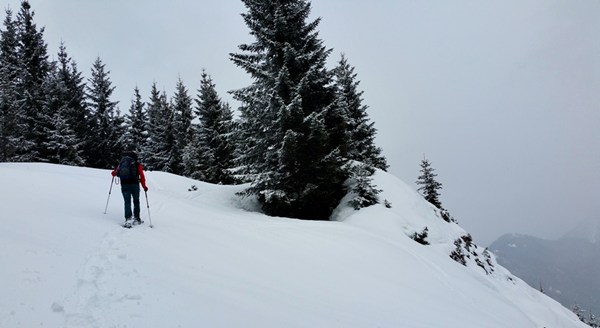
x=421 y=237
x=457 y=254
x=465 y=250
x=446 y=216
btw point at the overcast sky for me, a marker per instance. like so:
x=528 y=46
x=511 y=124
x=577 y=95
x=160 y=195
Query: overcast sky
x=502 y=96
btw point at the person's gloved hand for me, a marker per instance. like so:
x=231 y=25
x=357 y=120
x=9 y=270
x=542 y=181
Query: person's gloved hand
x=145 y=188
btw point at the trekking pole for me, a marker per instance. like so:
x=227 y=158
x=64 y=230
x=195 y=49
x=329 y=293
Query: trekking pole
x=148 y=207
x=109 y=191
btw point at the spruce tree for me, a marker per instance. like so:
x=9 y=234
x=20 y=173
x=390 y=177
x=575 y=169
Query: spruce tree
x=173 y=155
x=360 y=132
x=214 y=150
x=161 y=140
x=154 y=127
x=62 y=145
x=72 y=97
x=106 y=129
x=136 y=130
x=182 y=123
x=34 y=70
x=38 y=97
x=429 y=187
x=12 y=115
x=297 y=169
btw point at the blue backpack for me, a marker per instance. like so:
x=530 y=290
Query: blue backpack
x=127 y=170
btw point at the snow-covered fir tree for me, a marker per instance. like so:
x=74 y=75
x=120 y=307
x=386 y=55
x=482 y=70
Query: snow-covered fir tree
x=360 y=184
x=106 y=131
x=135 y=122
x=34 y=69
x=298 y=171
x=161 y=140
x=62 y=145
x=65 y=101
x=154 y=127
x=429 y=186
x=214 y=147
x=355 y=135
x=173 y=154
x=12 y=116
x=360 y=132
x=37 y=94
x=182 y=123
x=72 y=98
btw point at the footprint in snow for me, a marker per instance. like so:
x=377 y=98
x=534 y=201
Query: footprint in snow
x=56 y=307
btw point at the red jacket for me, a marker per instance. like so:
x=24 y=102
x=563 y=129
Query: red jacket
x=141 y=175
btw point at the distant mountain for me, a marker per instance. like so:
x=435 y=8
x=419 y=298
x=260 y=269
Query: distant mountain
x=567 y=269
x=587 y=230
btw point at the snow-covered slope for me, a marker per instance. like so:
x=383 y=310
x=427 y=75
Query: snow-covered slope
x=211 y=261
x=566 y=268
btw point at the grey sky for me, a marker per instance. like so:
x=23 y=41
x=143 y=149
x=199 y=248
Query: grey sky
x=502 y=96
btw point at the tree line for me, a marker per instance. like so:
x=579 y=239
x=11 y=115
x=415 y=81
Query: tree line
x=303 y=138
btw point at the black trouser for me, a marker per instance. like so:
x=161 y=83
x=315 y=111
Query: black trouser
x=129 y=191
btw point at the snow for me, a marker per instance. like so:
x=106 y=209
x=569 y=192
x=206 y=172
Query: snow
x=213 y=261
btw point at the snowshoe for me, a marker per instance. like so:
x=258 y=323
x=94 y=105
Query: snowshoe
x=128 y=223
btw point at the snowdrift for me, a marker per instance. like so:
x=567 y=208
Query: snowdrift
x=213 y=261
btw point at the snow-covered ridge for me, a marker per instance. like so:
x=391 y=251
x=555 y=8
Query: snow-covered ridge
x=213 y=261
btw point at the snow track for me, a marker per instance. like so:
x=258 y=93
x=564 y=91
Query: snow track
x=107 y=285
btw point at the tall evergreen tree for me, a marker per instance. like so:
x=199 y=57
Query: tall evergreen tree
x=12 y=116
x=37 y=94
x=298 y=170
x=154 y=127
x=107 y=129
x=360 y=132
x=429 y=187
x=173 y=155
x=35 y=67
x=214 y=151
x=136 y=130
x=161 y=139
x=73 y=103
x=62 y=145
x=182 y=124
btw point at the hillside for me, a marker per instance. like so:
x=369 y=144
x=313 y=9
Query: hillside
x=588 y=230
x=567 y=268
x=212 y=261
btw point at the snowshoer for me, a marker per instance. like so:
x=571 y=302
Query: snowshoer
x=131 y=173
